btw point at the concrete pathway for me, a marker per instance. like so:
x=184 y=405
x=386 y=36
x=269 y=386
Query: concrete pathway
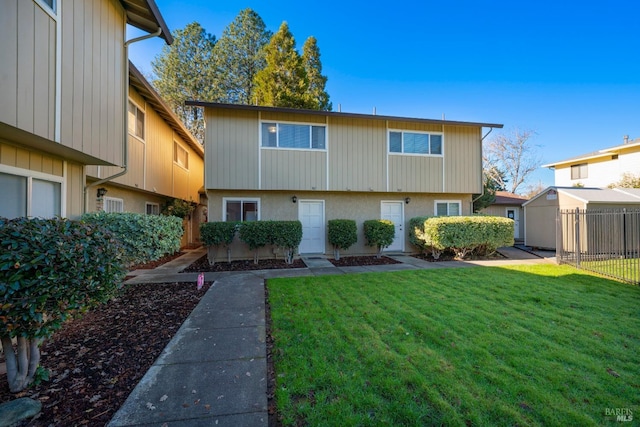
x=214 y=370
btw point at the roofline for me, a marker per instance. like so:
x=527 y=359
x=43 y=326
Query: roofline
x=596 y=155
x=173 y=121
x=166 y=33
x=576 y=197
x=336 y=114
x=145 y=15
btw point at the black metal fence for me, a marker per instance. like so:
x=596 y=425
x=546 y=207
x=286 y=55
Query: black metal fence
x=603 y=241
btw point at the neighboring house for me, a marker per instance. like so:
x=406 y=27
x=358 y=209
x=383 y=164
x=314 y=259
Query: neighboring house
x=541 y=211
x=509 y=205
x=266 y=163
x=598 y=169
x=64 y=88
x=164 y=161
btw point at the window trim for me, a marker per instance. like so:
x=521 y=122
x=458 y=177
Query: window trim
x=52 y=11
x=448 y=202
x=310 y=124
x=422 y=132
x=225 y=200
x=146 y=207
x=106 y=199
x=175 y=155
x=30 y=176
x=578 y=168
x=144 y=121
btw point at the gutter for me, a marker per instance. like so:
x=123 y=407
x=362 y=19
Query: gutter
x=482 y=190
x=125 y=114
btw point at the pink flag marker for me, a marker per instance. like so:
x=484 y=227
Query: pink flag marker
x=200 y=280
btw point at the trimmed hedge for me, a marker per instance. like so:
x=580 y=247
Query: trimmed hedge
x=379 y=233
x=283 y=234
x=466 y=234
x=144 y=237
x=416 y=227
x=342 y=233
x=218 y=233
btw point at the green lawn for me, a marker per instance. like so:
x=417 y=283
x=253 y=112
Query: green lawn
x=527 y=345
x=627 y=269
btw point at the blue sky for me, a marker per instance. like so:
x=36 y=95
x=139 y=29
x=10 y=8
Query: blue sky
x=570 y=71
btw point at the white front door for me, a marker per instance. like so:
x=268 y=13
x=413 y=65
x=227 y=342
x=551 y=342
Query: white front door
x=311 y=215
x=513 y=214
x=394 y=211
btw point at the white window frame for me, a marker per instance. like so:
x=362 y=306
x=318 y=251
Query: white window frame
x=448 y=202
x=402 y=153
x=144 y=121
x=52 y=10
x=580 y=167
x=176 y=146
x=225 y=200
x=147 y=205
x=30 y=176
x=278 y=123
x=106 y=200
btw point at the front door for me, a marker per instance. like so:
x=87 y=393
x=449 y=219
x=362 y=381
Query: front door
x=311 y=215
x=513 y=214
x=394 y=211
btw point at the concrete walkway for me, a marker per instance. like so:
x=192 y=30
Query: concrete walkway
x=214 y=370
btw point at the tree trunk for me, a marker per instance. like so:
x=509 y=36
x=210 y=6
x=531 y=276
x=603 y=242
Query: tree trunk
x=22 y=363
x=336 y=254
x=228 y=254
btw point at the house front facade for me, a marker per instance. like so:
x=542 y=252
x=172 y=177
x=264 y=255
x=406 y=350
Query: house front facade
x=266 y=163
x=598 y=169
x=509 y=205
x=64 y=86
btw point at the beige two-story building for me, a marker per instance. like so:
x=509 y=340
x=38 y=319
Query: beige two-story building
x=266 y=163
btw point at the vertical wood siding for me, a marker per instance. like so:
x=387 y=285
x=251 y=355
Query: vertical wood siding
x=415 y=173
x=232 y=149
x=75 y=190
x=290 y=117
x=293 y=170
x=27 y=89
x=92 y=78
x=357 y=154
x=11 y=155
x=462 y=160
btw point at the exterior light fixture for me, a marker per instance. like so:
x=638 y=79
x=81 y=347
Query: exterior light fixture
x=294 y=199
x=101 y=192
x=407 y=200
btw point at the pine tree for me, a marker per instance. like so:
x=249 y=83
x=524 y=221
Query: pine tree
x=317 y=97
x=184 y=71
x=283 y=82
x=239 y=55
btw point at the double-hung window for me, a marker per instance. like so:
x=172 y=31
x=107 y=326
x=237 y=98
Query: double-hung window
x=136 y=120
x=30 y=194
x=447 y=208
x=293 y=136
x=579 y=171
x=240 y=209
x=423 y=143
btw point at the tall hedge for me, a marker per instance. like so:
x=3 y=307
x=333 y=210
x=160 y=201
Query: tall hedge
x=466 y=234
x=342 y=233
x=218 y=233
x=379 y=233
x=50 y=269
x=144 y=237
x=416 y=227
x=286 y=235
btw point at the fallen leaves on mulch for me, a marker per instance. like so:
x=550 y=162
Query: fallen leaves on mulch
x=202 y=264
x=354 y=261
x=95 y=361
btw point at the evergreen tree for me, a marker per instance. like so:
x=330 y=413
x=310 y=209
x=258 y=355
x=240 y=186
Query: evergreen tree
x=183 y=72
x=283 y=82
x=317 y=97
x=239 y=55
x=493 y=181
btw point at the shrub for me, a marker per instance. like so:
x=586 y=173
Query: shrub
x=379 y=233
x=283 y=234
x=343 y=233
x=49 y=270
x=465 y=234
x=416 y=227
x=178 y=207
x=144 y=237
x=217 y=234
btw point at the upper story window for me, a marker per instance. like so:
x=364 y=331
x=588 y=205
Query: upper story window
x=285 y=135
x=415 y=143
x=447 y=208
x=241 y=209
x=49 y=5
x=180 y=155
x=136 y=120
x=579 y=171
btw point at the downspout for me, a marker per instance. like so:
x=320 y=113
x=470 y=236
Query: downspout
x=125 y=118
x=482 y=190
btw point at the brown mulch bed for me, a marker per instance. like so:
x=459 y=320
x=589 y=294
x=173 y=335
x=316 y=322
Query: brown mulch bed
x=95 y=361
x=153 y=264
x=354 y=261
x=202 y=264
x=450 y=256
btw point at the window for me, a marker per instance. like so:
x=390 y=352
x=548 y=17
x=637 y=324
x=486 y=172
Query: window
x=50 y=5
x=152 y=208
x=27 y=195
x=241 y=209
x=180 y=155
x=111 y=204
x=447 y=208
x=415 y=143
x=136 y=120
x=282 y=135
x=579 y=171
